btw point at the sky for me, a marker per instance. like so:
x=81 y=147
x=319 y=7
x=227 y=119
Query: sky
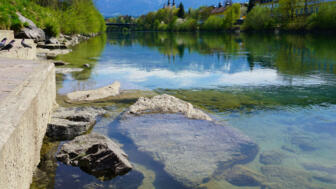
x=138 y=7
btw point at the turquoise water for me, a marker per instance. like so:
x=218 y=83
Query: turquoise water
x=277 y=89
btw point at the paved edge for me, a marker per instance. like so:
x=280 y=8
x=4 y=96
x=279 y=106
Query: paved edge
x=24 y=115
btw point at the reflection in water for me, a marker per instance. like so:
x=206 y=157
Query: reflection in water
x=165 y=60
x=85 y=53
x=279 y=90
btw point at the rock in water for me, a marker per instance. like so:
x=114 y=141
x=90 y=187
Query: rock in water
x=92 y=95
x=68 y=70
x=31 y=31
x=242 y=176
x=191 y=150
x=96 y=155
x=166 y=104
x=60 y=63
x=67 y=123
x=53 y=40
x=271 y=158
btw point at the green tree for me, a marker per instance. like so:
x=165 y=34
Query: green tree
x=287 y=8
x=181 y=13
x=259 y=19
x=251 y=5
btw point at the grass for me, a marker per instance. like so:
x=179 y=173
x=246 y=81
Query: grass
x=77 y=17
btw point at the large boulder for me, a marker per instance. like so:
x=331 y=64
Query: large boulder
x=31 y=31
x=67 y=123
x=93 y=95
x=166 y=104
x=191 y=150
x=96 y=155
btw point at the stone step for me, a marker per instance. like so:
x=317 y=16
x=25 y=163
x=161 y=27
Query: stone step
x=18 y=51
x=9 y=34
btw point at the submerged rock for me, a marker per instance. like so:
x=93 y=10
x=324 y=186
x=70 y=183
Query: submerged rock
x=191 y=150
x=166 y=104
x=330 y=179
x=96 y=155
x=92 y=95
x=60 y=63
x=305 y=143
x=282 y=177
x=67 y=123
x=31 y=31
x=319 y=167
x=68 y=70
x=242 y=176
x=271 y=158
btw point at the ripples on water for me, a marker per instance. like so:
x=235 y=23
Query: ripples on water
x=278 y=90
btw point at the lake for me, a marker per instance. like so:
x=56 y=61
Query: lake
x=279 y=90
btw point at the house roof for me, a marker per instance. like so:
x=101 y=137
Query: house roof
x=218 y=10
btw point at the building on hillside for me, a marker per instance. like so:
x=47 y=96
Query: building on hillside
x=221 y=8
x=169 y=5
x=303 y=7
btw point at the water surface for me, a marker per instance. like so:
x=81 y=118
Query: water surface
x=277 y=89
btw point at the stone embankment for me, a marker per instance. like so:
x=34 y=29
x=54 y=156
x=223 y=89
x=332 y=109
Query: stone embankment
x=27 y=96
x=18 y=51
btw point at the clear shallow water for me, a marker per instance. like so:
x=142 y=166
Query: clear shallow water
x=278 y=90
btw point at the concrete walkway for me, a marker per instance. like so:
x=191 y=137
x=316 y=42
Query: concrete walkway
x=18 y=51
x=27 y=96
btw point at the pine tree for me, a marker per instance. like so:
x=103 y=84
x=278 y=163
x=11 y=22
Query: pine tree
x=181 y=12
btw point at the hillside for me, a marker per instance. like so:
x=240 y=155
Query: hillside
x=53 y=16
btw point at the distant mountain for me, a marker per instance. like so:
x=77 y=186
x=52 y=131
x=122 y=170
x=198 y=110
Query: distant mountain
x=138 y=7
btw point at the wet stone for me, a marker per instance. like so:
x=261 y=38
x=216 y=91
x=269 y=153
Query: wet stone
x=67 y=123
x=279 y=177
x=242 y=176
x=330 y=179
x=319 y=167
x=60 y=63
x=271 y=158
x=166 y=104
x=191 y=150
x=305 y=143
x=96 y=155
x=68 y=70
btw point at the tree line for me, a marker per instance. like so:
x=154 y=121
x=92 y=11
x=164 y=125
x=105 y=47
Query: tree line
x=177 y=19
x=292 y=15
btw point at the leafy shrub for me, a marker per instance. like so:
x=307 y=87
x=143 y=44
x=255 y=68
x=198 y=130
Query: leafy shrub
x=52 y=27
x=54 y=16
x=260 y=18
x=213 y=23
x=325 y=19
